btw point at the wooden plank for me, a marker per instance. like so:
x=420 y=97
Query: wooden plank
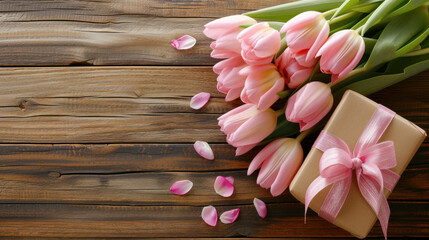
x=140 y=173
x=108 y=104
x=283 y=220
x=46 y=33
x=135 y=104
x=84 y=9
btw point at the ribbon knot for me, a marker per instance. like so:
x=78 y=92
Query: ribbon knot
x=357 y=163
x=370 y=160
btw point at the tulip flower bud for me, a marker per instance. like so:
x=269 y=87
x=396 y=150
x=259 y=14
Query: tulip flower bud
x=341 y=53
x=263 y=82
x=246 y=126
x=229 y=80
x=293 y=67
x=224 y=31
x=309 y=105
x=279 y=161
x=259 y=43
x=306 y=31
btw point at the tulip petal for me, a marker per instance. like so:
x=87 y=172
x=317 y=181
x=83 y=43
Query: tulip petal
x=229 y=216
x=264 y=155
x=183 y=43
x=199 y=100
x=209 y=215
x=181 y=187
x=230 y=179
x=244 y=149
x=287 y=171
x=223 y=187
x=260 y=206
x=204 y=150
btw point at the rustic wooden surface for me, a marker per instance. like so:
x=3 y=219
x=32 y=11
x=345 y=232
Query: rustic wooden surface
x=91 y=151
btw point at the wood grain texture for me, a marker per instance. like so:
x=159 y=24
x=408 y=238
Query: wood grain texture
x=142 y=174
x=132 y=32
x=125 y=132
x=108 y=104
x=134 y=104
x=285 y=220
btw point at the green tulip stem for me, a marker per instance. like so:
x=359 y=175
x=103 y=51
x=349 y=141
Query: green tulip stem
x=281 y=111
x=303 y=134
x=329 y=13
x=343 y=17
x=352 y=73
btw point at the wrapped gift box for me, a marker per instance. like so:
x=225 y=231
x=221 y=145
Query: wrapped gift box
x=348 y=122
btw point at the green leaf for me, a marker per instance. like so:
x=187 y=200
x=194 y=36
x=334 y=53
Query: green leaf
x=276 y=25
x=287 y=11
x=396 y=34
x=369 y=44
x=410 y=5
x=283 y=46
x=380 y=12
x=345 y=6
x=397 y=70
x=413 y=44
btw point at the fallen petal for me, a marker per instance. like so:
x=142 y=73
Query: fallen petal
x=181 y=187
x=229 y=216
x=183 y=43
x=260 y=206
x=223 y=187
x=204 y=150
x=209 y=215
x=230 y=179
x=198 y=101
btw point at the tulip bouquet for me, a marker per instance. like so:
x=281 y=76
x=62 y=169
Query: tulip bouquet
x=290 y=69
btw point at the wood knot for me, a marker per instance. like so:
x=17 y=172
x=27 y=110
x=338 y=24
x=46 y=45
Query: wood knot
x=23 y=105
x=54 y=174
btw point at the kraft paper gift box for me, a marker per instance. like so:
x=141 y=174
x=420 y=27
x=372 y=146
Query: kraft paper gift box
x=347 y=122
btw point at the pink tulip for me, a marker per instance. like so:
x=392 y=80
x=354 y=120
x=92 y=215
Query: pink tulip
x=229 y=80
x=341 y=53
x=306 y=31
x=259 y=43
x=293 y=67
x=222 y=26
x=309 y=105
x=226 y=46
x=183 y=43
x=246 y=126
x=225 y=31
x=279 y=161
x=262 y=84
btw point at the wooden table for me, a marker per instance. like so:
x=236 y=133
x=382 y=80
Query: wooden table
x=95 y=126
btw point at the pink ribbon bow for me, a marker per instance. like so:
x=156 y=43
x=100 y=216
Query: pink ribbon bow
x=370 y=160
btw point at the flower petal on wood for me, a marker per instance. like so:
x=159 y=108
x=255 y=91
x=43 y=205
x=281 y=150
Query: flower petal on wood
x=183 y=43
x=223 y=186
x=229 y=216
x=181 y=187
x=260 y=206
x=199 y=100
x=209 y=215
x=204 y=150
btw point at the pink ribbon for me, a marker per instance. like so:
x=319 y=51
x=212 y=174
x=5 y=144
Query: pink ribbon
x=370 y=160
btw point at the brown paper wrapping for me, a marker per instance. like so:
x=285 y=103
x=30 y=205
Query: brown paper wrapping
x=348 y=122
